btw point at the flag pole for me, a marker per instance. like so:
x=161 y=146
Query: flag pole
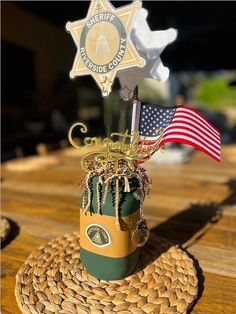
x=136 y=108
x=135 y=93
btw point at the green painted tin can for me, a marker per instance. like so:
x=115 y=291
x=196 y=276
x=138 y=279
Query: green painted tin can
x=112 y=229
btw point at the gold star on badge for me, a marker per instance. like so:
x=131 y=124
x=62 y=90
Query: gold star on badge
x=103 y=43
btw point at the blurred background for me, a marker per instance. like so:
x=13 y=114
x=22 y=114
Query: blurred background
x=40 y=102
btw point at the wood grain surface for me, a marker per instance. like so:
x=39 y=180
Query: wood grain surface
x=191 y=204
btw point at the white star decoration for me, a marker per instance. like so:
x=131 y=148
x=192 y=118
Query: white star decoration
x=149 y=45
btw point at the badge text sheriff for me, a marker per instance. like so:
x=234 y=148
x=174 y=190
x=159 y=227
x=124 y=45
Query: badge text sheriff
x=100 y=17
x=108 y=17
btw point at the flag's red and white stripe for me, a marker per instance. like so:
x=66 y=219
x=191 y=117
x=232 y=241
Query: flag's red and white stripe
x=189 y=127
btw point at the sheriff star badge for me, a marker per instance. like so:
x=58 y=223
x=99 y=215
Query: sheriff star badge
x=103 y=42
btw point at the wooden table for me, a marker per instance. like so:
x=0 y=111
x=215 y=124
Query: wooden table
x=192 y=204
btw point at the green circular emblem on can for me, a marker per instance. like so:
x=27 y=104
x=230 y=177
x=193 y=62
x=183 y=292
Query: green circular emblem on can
x=98 y=236
x=103 y=42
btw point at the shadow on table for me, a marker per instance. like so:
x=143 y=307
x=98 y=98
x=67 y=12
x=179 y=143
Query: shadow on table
x=189 y=226
x=14 y=231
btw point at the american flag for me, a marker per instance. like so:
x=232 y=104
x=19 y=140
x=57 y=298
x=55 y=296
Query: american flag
x=180 y=124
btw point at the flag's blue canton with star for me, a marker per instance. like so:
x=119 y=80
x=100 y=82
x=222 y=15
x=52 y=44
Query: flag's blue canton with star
x=153 y=118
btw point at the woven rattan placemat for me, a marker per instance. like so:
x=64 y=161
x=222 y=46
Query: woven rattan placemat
x=53 y=280
x=31 y=163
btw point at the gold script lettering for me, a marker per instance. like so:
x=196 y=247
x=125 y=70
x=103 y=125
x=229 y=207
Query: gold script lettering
x=127 y=147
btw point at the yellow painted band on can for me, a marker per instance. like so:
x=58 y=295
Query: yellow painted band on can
x=120 y=242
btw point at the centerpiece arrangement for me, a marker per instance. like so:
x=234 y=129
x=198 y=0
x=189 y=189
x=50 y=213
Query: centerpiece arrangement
x=112 y=224
x=118 y=42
